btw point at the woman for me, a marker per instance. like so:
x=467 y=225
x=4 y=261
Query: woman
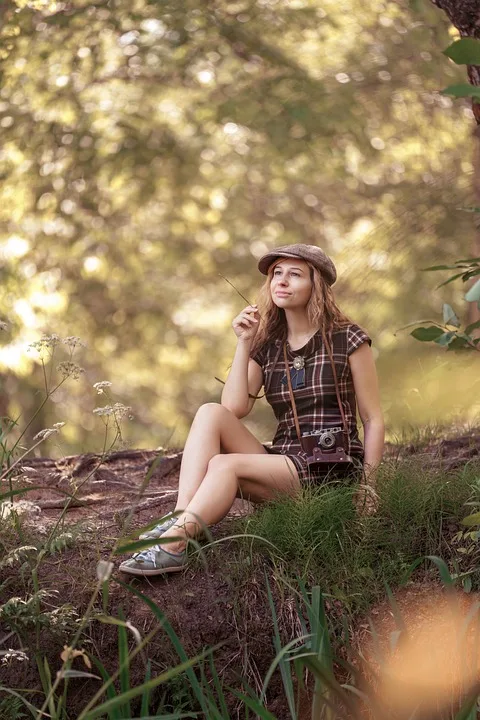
x=296 y=319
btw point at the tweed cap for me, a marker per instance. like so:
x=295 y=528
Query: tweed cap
x=310 y=253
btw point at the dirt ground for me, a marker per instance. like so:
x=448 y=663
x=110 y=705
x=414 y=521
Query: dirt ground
x=206 y=605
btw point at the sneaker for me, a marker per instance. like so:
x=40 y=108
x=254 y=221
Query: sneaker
x=159 y=529
x=154 y=561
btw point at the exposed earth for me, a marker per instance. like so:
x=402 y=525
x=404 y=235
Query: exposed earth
x=207 y=605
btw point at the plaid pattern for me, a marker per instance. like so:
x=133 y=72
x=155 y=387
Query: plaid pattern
x=317 y=405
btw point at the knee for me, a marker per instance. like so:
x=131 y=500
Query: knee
x=211 y=411
x=221 y=463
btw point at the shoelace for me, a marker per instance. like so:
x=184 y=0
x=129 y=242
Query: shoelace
x=147 y=555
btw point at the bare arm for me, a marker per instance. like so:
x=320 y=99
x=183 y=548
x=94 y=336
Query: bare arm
x=245 y=377
x=364 y=374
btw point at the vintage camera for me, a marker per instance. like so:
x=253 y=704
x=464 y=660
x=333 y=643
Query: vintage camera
x=326 y=439
x=326 y=446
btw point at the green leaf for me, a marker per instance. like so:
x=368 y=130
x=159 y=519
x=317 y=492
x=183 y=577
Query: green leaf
x=470 y=209
x=473 y=295
x=464 y=52
x=449 y=316
x=451 y=279
x=468 y=711
x=462 y=90
x=35 y=712
x=459 y=343
x=443 y=570
x=439 y=267
x=138 y=545
x=445 y=338
x=426 y=334
x=447 y=579
x=78 y=674
x=472 y=326
x=471 y=520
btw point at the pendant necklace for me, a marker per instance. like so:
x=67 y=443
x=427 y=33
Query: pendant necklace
x=297 y=373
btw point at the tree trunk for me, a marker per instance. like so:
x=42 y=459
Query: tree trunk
x=465 y=16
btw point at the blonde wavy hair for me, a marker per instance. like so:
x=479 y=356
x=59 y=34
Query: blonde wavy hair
x=322 y=310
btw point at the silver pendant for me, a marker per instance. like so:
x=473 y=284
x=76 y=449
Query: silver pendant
x=298 y=362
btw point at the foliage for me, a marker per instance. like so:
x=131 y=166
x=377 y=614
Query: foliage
x=148 y=147
x=465 y=51
x=314 y=650
x=450 y=333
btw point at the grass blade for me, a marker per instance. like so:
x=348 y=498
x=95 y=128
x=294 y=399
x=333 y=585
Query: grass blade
x=146 y=695
x=285 y=670
x=27 y=704
x=174 y=639
x=468 y=711
x=124 y=665
x=109 y=687
x=280 y=656
x=252 y=703
x=121 y=700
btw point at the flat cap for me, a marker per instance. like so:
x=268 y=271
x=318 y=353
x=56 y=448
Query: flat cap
x=310 y=253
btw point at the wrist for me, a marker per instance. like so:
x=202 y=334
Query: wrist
x=247 y=343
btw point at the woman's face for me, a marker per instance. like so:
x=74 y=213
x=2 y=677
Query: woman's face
x=291 y=285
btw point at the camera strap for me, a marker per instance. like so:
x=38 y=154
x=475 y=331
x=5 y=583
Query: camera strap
x=337 y=391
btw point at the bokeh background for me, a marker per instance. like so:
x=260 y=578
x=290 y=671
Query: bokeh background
x=148 y=148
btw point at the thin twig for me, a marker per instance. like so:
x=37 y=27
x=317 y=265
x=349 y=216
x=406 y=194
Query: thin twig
x=236 y=290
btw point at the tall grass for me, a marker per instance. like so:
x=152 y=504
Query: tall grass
x=322 y=539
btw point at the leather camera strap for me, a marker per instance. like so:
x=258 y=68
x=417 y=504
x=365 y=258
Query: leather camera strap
x=292 y=397
x=337 y=391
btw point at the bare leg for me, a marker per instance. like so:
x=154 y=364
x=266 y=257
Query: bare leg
x=268 y=476
x=214 y=430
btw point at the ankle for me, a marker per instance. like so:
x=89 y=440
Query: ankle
x=176 y=547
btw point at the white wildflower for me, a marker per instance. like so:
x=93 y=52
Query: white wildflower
x=103 y=411
x=46 y=342
x=120 y=410
x=100 y=386
x=10 y=655
x=70 y=369
x=21 y=507
x=63 y=617
x=45 y=433
x=73 y=341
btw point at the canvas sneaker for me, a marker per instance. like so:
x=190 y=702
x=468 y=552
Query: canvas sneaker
x=154 y=561
x=159 y=529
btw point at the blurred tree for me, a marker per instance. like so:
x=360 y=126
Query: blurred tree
x=147 y=147
x=464 y=14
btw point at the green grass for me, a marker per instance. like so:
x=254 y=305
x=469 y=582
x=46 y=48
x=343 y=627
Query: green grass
x=321 y=538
